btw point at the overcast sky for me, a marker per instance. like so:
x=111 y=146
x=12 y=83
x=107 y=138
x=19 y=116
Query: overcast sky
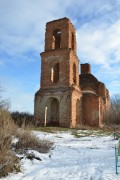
x=22 y=32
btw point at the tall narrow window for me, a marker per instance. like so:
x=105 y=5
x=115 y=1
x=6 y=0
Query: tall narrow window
x=72 y=41
x=55 y=73
x=53 y=42
x=56 y=42
x=74 y=73
x=52 y=73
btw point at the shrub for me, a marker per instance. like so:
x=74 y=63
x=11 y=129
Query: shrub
x=8 y=160
x=28 y=141
x=113 y=117
x=22 y=118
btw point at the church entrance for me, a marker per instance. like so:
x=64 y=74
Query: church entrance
x=52 y=112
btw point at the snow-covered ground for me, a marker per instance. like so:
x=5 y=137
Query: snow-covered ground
x=85 y=158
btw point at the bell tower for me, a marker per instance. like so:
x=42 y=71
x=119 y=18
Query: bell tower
x=58 y=102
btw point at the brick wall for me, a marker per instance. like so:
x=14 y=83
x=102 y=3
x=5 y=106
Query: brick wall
x=90 y=106
x=66 y=98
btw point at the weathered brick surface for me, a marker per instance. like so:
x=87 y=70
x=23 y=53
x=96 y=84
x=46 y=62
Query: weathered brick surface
x=85 y=68
x=90 y=109
x=66 y=28
x=66 y=98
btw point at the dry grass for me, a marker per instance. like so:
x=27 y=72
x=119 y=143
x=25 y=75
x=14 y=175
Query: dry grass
x=28 y=141
x=84 y=127
x=49 y=129
x=8 y=160
x=8 y=163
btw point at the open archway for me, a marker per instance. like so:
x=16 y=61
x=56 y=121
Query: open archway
x=52 y=112
x=56 y=43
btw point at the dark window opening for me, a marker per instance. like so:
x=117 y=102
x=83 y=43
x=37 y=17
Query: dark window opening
x=56 y=43
x=74 y=73
x=55 y=73
x=73 y=41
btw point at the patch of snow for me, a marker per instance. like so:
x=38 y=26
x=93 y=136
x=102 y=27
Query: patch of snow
x=84 y=158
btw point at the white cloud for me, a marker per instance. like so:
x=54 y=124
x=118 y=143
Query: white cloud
x=20 y=99
x=22 y=27
x=100 y=45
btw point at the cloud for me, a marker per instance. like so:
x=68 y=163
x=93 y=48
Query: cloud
x=98 y=42
x=100 y=45
x=23 y=25
x=22 y=28
x=20 y=96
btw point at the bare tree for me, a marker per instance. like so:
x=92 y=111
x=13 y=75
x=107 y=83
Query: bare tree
x=115 y=109
x=4 y=103
x=113 y=116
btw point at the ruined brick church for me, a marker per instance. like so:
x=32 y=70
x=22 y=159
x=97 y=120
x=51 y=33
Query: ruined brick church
x=67 y=98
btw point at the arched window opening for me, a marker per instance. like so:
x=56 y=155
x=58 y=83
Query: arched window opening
x=56 y=42
x=73 y=42
x=52 y=73
x=74 y=73
x=55 y=73
x=53 y=42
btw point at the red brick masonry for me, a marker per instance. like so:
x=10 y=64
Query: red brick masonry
x=65 y=98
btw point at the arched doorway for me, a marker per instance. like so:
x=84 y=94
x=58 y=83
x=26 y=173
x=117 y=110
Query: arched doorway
x=52 y=113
